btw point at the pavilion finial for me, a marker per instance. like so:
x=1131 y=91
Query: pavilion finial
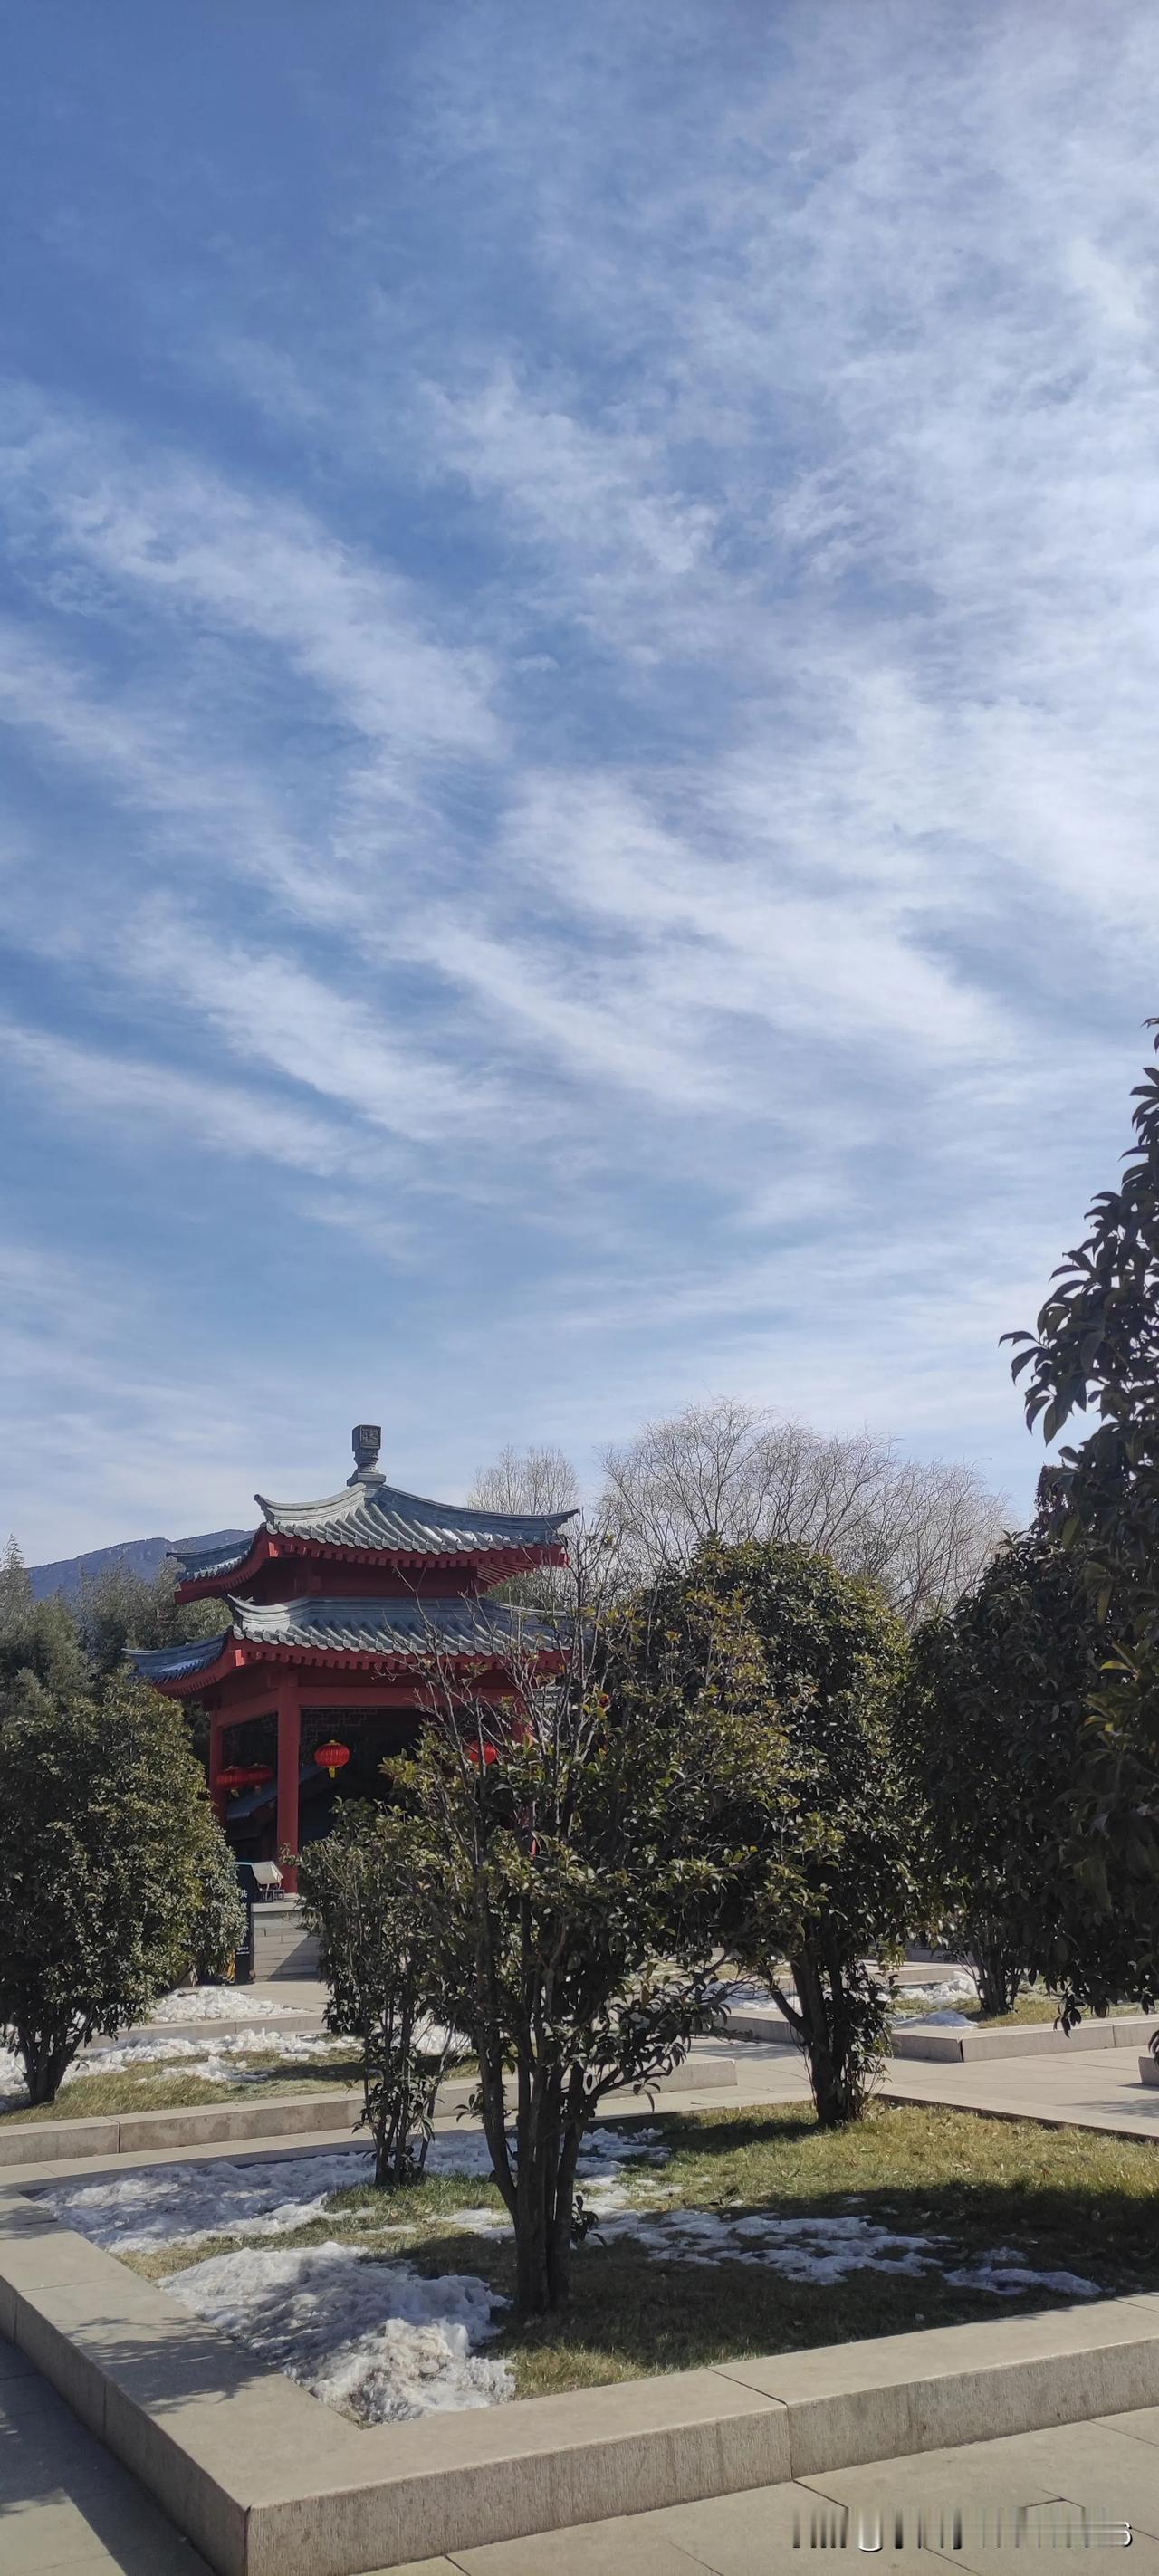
x=367 y=1440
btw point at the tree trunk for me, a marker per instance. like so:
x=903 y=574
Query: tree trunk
x=999 y=1978
x=47 y=2059
x=559 y=2246
x=532 y=2284
x=834 y=2079
x=549 y=2143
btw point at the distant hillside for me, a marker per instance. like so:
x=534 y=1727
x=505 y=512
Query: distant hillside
x=141 y=1555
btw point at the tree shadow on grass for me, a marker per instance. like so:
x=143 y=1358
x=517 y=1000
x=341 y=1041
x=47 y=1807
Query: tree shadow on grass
x=637 y=2308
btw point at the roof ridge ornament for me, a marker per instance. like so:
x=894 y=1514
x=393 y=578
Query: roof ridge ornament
x=366 y=1438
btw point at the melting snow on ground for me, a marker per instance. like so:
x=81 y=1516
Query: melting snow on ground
x=370 y=2337
x=135 y=2213
x=215 y=2061
x=217 y=2003
x=958 y=1986
x=830 y=2249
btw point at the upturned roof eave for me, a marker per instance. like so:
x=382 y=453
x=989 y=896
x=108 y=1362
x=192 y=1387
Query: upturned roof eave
x=436 y=1515
x=248 y=1655
x=499 y=1564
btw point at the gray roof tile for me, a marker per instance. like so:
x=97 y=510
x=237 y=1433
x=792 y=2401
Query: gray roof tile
x=397 y=1628
x=383 y=1517
x=368 y=1515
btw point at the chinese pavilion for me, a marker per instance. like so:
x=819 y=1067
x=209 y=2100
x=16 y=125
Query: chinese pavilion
x=335 y=1610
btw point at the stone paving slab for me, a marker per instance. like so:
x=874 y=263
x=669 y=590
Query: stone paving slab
x=1099 y=2090
x=66 y=2506
x=1052 y=2477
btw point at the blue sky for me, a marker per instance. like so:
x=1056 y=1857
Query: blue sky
x=578 y=662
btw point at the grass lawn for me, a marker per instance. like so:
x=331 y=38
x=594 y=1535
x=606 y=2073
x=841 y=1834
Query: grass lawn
x=1034 y=2006
x=165 y=2088
x=1067 y=2200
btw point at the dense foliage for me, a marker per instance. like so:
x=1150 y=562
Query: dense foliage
x=1096 y=1351
x=834 y=1808
x=106 y=1839
x=219 y=1920
x=51 y=1649
x=995 y=1717
x=42 y=1659
x=363 y=1890
x=570 y=1885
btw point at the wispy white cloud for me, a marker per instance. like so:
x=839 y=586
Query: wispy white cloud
x=601 y=704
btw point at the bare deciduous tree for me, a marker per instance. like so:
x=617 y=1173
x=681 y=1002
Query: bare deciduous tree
x=526 y=1480
x=529 y=1480
x=923 y=1530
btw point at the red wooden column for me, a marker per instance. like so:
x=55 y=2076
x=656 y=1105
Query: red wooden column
x=289 y=1763
x=216 y=1793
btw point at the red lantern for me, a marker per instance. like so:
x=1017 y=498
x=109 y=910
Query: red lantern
x=259 y=1775
x=489 y=1754
x=232 y=1779
x=332 y=1758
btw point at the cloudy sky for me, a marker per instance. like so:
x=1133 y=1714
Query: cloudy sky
x=579 y=664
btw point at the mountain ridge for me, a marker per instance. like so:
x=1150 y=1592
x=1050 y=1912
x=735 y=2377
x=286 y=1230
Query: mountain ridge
x=143 y=1556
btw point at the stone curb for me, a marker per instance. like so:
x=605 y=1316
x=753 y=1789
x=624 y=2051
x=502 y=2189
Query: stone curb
x=1029 y=2039
x=137 y=2132
x=267 y=2482
x=961 y=2047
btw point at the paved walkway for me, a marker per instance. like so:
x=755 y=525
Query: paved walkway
x=969 y=2502
x=66 y=2507
x=1096 y=2088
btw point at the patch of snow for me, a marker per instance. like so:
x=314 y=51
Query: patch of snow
x=1007 y=2276
x=217 y=2003
x=943 y=1990
x=213 y=2060
x=209 y=2058
x=940 y=2021
x=366 y=2335
x=830 y=2249
x=185 y=2204
x=801 y=2249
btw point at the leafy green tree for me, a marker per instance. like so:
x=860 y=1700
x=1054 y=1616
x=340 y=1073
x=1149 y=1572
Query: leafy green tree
x=838 y=1813
x=219 y=1920
x=1096 y=1351
x=104 y=1833
x=362 y=1887
x=41 y=1657
x=117 y=1608
x=995 y=1716
x=15 y=1582
x=568 y=1881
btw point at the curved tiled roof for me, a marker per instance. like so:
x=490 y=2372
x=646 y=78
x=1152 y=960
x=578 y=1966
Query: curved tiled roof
x=198 y=1562
x=381 y=1627
x=177 y=1663
x=377 y=1515
x=410 y=1629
